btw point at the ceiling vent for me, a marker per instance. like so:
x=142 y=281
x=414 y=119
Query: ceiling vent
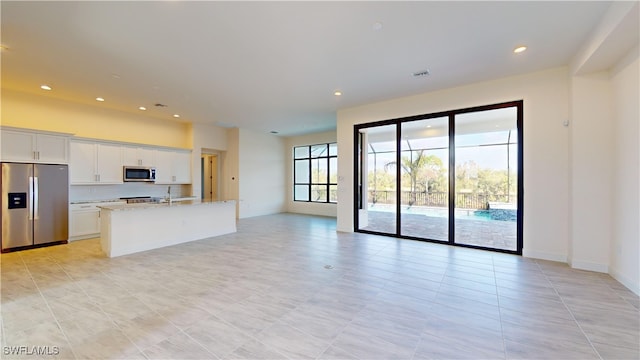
x=421 y=73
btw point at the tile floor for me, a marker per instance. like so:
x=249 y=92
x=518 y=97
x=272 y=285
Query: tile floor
x=290 y=287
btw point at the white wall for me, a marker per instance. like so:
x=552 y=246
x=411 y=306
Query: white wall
x=300 y=207
x=91 y=121
x=546 y=148
x=231 y=168
x=625 y=243
x=206 y=137
x=604 y=148
x=591 y=151
x=261 y=174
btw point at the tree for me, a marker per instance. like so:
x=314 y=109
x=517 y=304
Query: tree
x=417 y=166
x=467 y=176
x=494 y=185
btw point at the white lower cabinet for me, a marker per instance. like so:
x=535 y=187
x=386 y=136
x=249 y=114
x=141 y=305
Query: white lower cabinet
x=84 y=220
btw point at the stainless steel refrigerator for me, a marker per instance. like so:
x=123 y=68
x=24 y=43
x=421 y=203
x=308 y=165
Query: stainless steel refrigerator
x=35 y=205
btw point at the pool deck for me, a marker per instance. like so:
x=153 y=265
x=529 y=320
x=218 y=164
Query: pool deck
x=486 y=233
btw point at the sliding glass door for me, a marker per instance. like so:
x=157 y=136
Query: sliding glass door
x=424 y=179
x=452 y=177
x=378 y=179
x=486 y=178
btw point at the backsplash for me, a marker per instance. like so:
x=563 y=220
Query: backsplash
x=109 y=192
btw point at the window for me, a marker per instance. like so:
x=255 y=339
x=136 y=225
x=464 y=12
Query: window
x=315 y=173
x=452 y=177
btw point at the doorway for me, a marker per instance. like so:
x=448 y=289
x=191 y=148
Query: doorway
x=453 y=177
x=209 y=166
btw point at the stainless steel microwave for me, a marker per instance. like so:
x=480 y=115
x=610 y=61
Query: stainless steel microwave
x=138 y=173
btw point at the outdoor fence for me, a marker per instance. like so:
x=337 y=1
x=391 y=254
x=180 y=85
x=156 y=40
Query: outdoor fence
x=437 y=199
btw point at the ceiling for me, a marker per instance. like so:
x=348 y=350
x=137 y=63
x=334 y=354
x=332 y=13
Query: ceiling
x=274 y=66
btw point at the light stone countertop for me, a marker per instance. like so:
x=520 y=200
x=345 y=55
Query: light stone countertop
x=175 y=202
x=95 y=201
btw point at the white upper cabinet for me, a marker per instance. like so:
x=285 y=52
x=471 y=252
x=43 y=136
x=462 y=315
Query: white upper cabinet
x=109 y=164
x=182 y=167
x=138 y=156
x=164 y=172
x=173 y=167
x=95 y=163
x=99 y=162
x=26 y=146
x=82 y=162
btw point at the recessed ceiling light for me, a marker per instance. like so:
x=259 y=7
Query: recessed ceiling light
x=377 y=26
x=519 y=49
x=45 y=87
x=428 y=126
x=142 y=108
x=176 y=115
x=99 y=99
x=337 y=93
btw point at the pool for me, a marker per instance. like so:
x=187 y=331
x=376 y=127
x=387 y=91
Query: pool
x=482 y=215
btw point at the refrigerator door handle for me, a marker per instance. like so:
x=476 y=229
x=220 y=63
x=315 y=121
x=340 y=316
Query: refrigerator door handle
x=30 y=201
x=35 y=198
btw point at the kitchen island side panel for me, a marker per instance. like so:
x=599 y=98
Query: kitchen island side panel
x=128 y=230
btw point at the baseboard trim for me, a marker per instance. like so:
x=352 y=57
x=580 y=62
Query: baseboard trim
x=544 y=255
x=589 y=266
x=626 y=281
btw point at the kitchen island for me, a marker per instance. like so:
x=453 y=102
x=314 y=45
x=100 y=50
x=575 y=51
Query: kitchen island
x=131 y=228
